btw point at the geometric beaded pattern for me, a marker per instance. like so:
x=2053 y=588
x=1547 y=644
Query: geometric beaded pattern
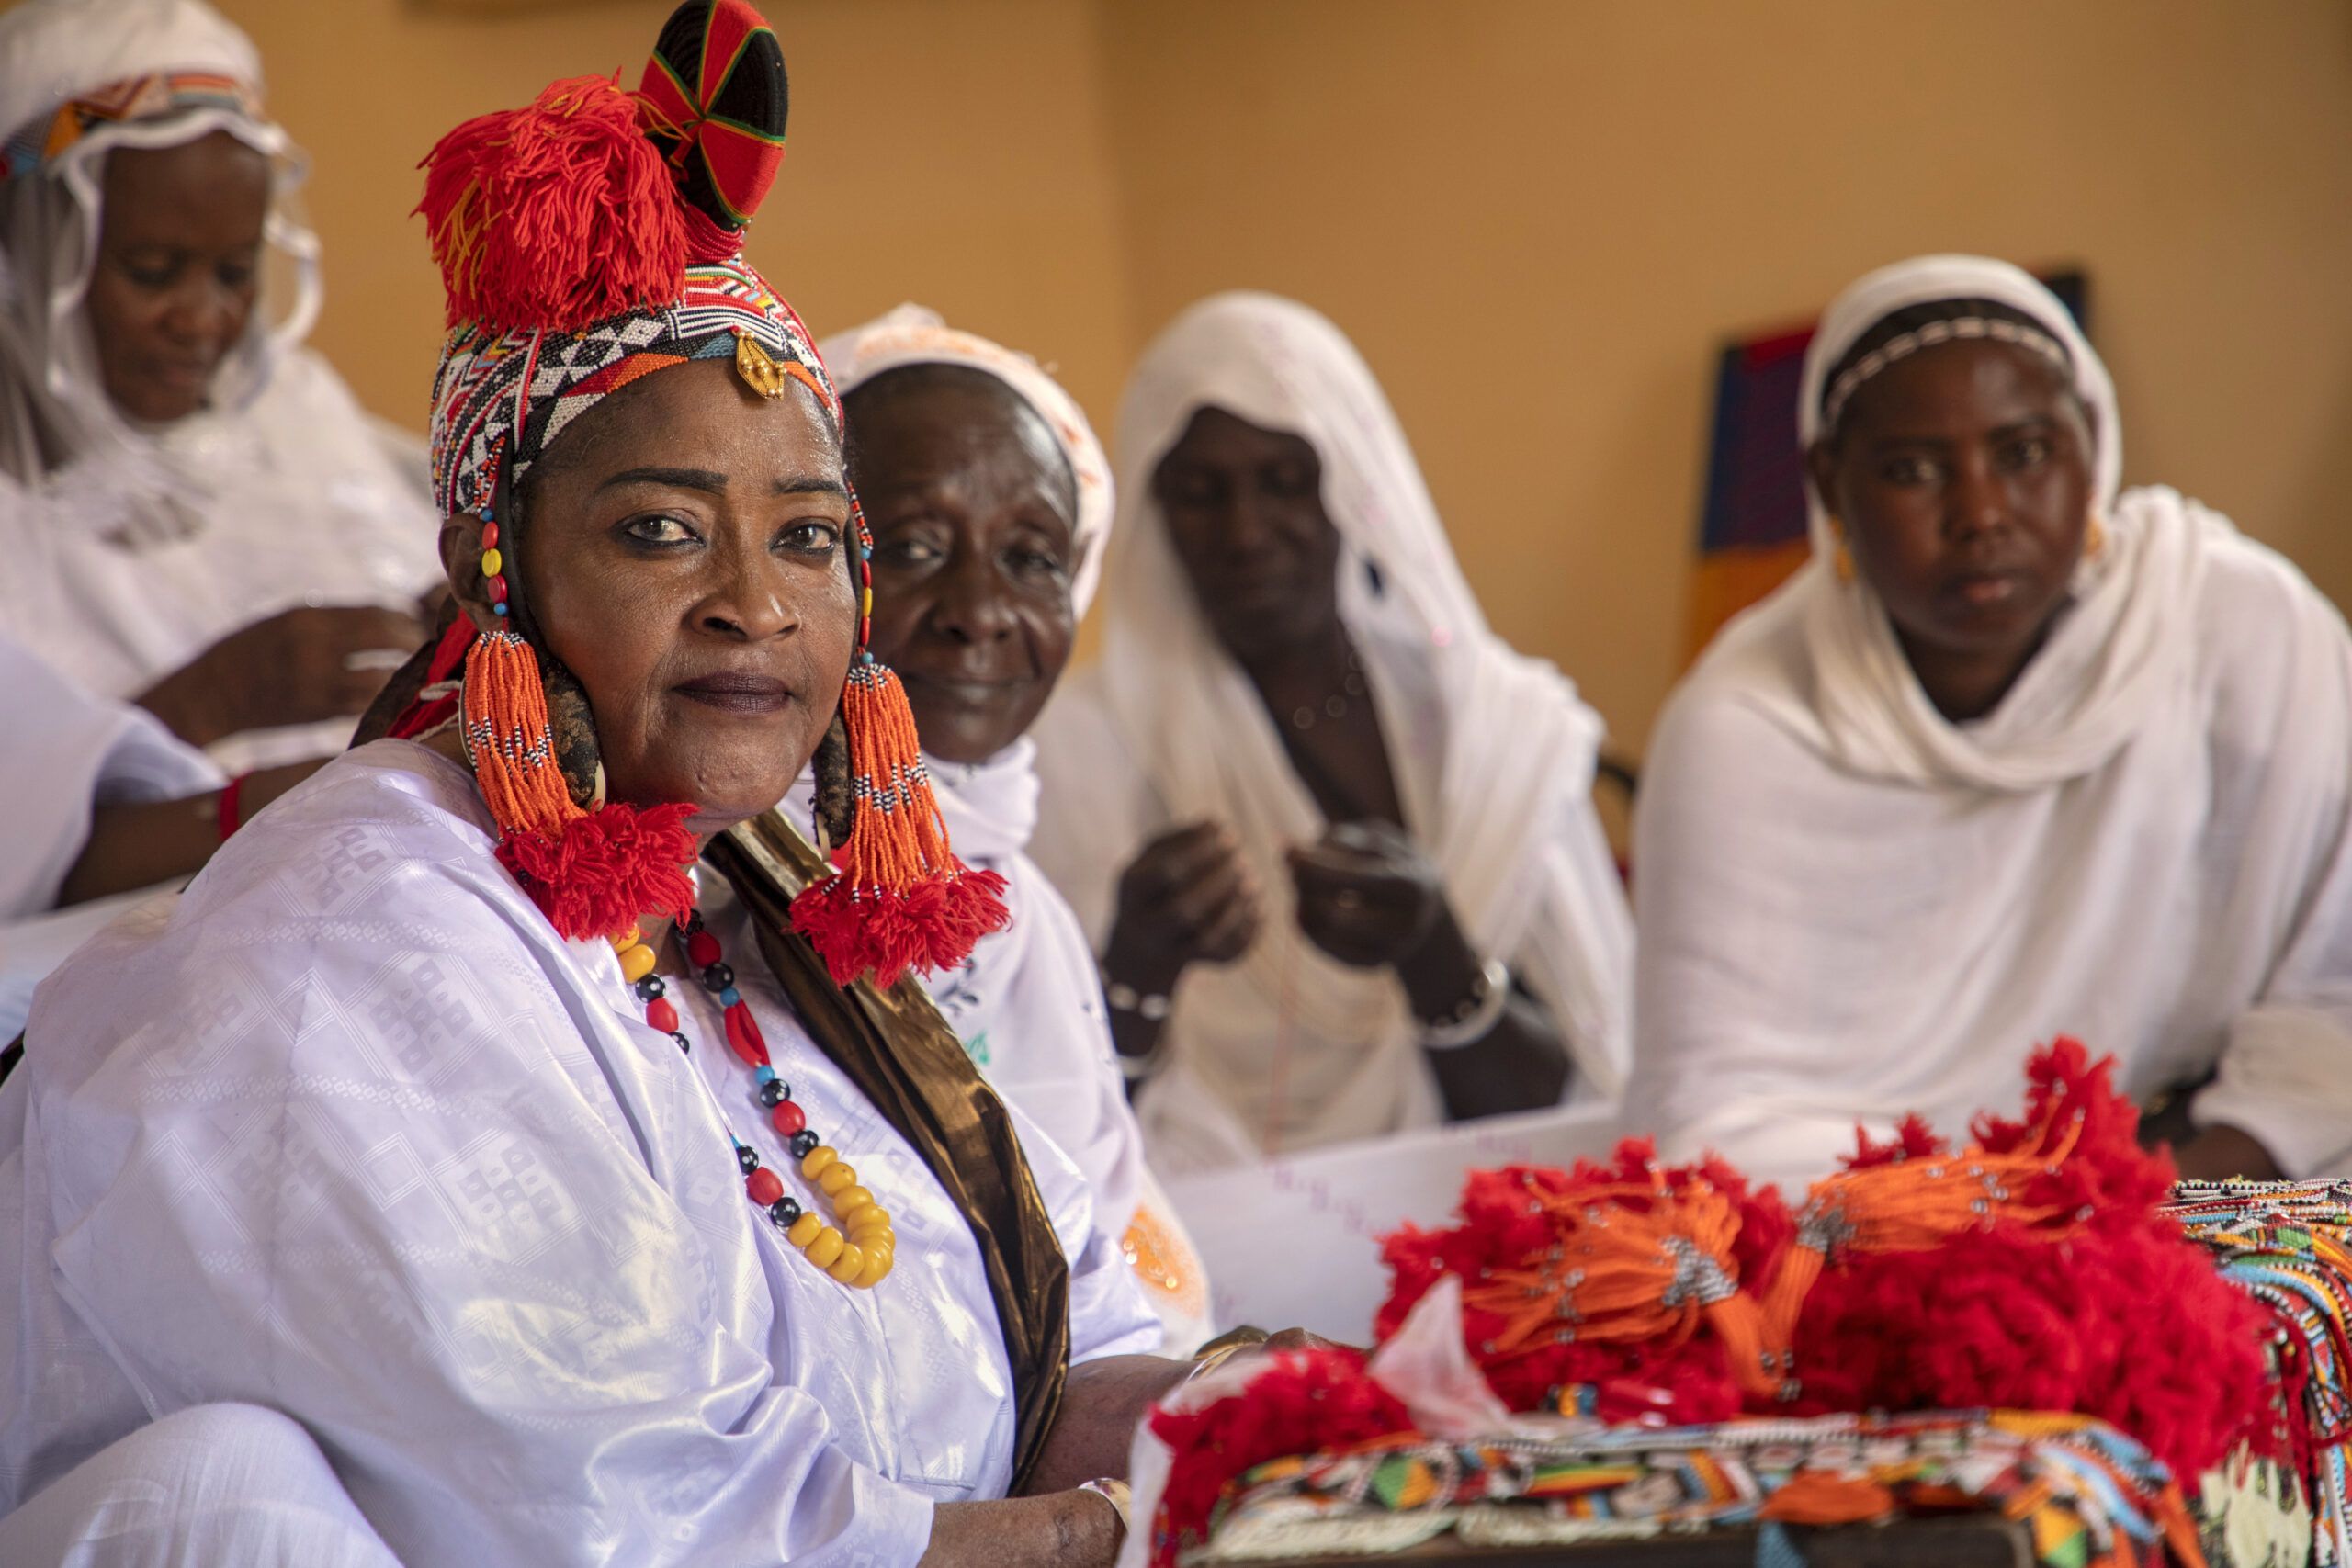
x=512 y=393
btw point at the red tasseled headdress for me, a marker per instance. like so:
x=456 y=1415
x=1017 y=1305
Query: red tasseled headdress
x=554 y=225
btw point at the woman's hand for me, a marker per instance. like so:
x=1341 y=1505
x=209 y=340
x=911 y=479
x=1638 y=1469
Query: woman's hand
x=297 y=667
x=1367 y=895
x=1186 y=898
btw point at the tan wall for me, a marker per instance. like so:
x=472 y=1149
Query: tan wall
x=952 y=152
x=1539 y=219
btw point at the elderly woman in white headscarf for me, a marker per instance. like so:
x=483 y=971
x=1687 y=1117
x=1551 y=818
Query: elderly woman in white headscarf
x=2019 y=754
x=989 y=502
x=1334 y=840
x=196 y=514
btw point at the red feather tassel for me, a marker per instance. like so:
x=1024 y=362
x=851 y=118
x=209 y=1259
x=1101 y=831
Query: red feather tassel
x=2069 y=1291
x=602 y=870
x=901 y=900
x=557 y=216
x=1316 y=1401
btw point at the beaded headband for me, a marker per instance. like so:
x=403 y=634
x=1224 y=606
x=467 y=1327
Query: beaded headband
x=1959 y=329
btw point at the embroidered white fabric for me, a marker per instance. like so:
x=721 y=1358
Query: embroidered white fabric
x=350 y=1132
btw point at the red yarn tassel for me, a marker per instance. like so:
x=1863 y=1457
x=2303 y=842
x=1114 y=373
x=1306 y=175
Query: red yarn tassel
x=557 y=216
x=901 y=900
x=600 y=870
x=592 y=873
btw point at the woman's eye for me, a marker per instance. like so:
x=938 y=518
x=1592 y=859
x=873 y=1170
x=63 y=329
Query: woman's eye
x=236 y=276
x=1906 y=471
x=1035 y=562
x=2028 y=450
x=1291 y=483
x=657 y=529
x=907 y=551
x=815 y=537
x=151 y=274
x=1192 y=490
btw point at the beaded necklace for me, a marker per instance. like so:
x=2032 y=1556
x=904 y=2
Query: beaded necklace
x=861 y=1249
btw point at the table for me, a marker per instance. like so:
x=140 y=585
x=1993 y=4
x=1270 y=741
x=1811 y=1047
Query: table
x=1964 y=1540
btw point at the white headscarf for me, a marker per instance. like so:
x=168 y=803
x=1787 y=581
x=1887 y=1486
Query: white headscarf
x=1495 y=766
x=1852 y=908
x=913 y=336
x=1034 y=981
x=2115 y=650
x=1028 y=1005
x=53 y=409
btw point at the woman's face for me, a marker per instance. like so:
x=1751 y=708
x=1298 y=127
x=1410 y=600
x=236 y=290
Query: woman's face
x=973 y=510
x=682 y=549
x=1245 y=513
x=178 y=269
x=1963 y=477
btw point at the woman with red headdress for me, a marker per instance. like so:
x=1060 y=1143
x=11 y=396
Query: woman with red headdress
x=520 y=1105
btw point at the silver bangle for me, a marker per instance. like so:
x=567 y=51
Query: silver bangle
x=1152 y=1009
x=1476 y=1017
x=1112 y=1491
x=1124 y=998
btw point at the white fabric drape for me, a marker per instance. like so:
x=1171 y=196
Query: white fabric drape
x=214 y=1484
x=1492 y=754
x=65 y=753
x=1028 y=1005
x=132 y=548
x=1852 y=908
x=352 y=1134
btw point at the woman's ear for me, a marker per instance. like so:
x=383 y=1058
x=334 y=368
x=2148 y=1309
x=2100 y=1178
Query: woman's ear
x=461 y=563
x=1820 y=471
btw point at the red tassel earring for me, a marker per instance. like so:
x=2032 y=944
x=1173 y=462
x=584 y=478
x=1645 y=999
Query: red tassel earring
x=901 y=900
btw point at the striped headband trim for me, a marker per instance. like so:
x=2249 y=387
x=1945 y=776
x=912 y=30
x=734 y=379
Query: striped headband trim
x=47 y=137
x=1960 y=329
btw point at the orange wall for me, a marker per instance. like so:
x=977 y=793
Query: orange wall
x=1539 y=219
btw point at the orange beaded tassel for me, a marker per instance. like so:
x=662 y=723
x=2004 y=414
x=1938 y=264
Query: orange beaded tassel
x=901 y=900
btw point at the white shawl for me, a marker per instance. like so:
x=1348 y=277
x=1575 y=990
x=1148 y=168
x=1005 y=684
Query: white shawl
x=64 y=752
x=1028 y=1005
x=1493 y=752
x=132 y=549
x=1851 y=908
x=352 y=1134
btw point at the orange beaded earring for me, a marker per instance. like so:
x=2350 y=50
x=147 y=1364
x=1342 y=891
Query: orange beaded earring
x=594 y=871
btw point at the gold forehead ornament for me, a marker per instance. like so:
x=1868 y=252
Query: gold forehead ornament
x=758 y=367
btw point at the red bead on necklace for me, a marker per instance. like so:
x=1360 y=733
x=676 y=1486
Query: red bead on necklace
x=861 y=1248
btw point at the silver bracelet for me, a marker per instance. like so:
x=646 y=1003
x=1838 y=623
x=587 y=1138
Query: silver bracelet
x=1112 y=1491
x=1476 y=1017
x=1124 y=998
x=1152 y=1009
